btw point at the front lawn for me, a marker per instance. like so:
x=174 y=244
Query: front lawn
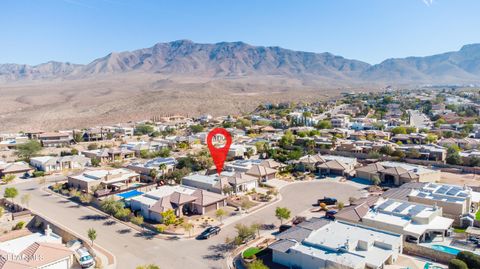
x=247 y=254
x=477 y=216
x=459 y=230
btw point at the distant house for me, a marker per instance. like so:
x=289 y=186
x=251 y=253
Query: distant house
x=416 y=222
x=238 y=182
x=139 y=146
x=319 y=243
x=145 y=168
x=395 y=173
x=241 y=151
x=47 y=247
x=262 y=173
x=18 y=169
x=51 y=164
x=55 y=139
x=115 y=179
x=106 y=155
x=181 y=199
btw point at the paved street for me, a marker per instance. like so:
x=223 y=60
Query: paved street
x=132 y=248
x=418 y=119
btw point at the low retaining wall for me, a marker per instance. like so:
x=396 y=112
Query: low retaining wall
x=426 y=252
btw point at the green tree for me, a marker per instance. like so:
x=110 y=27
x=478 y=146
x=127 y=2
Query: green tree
x=2 y=211
x=243 y=232
x=74 y=151
x=399 y=130
x=137 y=220
x=144 y=129
x=110 y=206
x=324 y=124
x=95 y=162
x=10 y=193
x=77 y=137
x=196 y=128
x=28 y=149
x=457 y=264
x=257 y=264
x=8 y=178
x=220 y=214
x=123 y=214
x=386 y=150
x=163 y=168
x=86 y=198
x=256 y=228
x=472 y=260
x=287 y=139
x=282 y=213
x=169 y=217
x=92 y=235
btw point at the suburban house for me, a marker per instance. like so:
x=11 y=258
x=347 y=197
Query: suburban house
x=12 y=142
x=50 y=164
x=416 y=222
x=425 y=152
x=396 y=173
x=55 y=139
x=262 y=173
x=241 y=151
x=116 y=179
x=145 y=168
x=106 y=155
x=181 y=199
x=340 y=121
x=337 y=165
x=47 y=247
x=138 y=146
x=318 y=243
x=238 y=182
x=454 y=200
x=18 y=169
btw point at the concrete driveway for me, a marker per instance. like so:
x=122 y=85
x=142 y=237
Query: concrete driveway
x=132 y=248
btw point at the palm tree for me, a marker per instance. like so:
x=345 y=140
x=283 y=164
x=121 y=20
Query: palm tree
x=163 y=168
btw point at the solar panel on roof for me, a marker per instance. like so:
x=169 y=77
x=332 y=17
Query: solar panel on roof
x=422 y=194
x=442 y=190
x=453 y=192
x=462 y=194
x=385 y=204
x=401 y=207
x=416 y=209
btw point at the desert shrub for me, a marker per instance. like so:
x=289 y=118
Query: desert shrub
x=19 y=225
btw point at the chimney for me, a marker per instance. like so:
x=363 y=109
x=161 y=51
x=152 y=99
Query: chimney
x=48 y=231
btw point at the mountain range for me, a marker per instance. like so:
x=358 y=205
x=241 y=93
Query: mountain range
x=227 y=60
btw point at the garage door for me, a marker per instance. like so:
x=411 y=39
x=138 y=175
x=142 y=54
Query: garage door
x=211 y=207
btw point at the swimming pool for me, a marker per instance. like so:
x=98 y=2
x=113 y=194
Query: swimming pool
x=445 y=249
x=130 y=194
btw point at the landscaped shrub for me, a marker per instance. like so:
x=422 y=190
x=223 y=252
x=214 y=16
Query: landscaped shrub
x=472 y=260
x=38 y=174
x=250 y=252
x=19 y=225
x=457 y=264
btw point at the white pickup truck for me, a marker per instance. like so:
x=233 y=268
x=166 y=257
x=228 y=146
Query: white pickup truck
x=83 y=256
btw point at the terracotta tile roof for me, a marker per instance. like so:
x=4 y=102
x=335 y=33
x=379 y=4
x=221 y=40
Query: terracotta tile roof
x=334 y=164
x=205 y=198
x=178 y=198
x=49 y=253
x=374 y=167
x=395 y=171
x=258 y=170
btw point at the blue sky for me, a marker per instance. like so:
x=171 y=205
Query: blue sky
x=79 y=31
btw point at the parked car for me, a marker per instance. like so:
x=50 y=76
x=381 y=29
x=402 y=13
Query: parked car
x=330 y=214
x=84 y=258
x=284 y=227
x=327 y=201
x=207 y=233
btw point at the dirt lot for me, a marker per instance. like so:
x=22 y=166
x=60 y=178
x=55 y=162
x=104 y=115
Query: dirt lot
x=460 y=179
x=62 y=104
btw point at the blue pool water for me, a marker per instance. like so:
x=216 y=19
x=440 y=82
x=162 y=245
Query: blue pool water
x=445 y=249
x=130 y=194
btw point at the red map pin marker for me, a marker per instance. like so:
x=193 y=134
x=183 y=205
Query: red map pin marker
x=219 y=141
